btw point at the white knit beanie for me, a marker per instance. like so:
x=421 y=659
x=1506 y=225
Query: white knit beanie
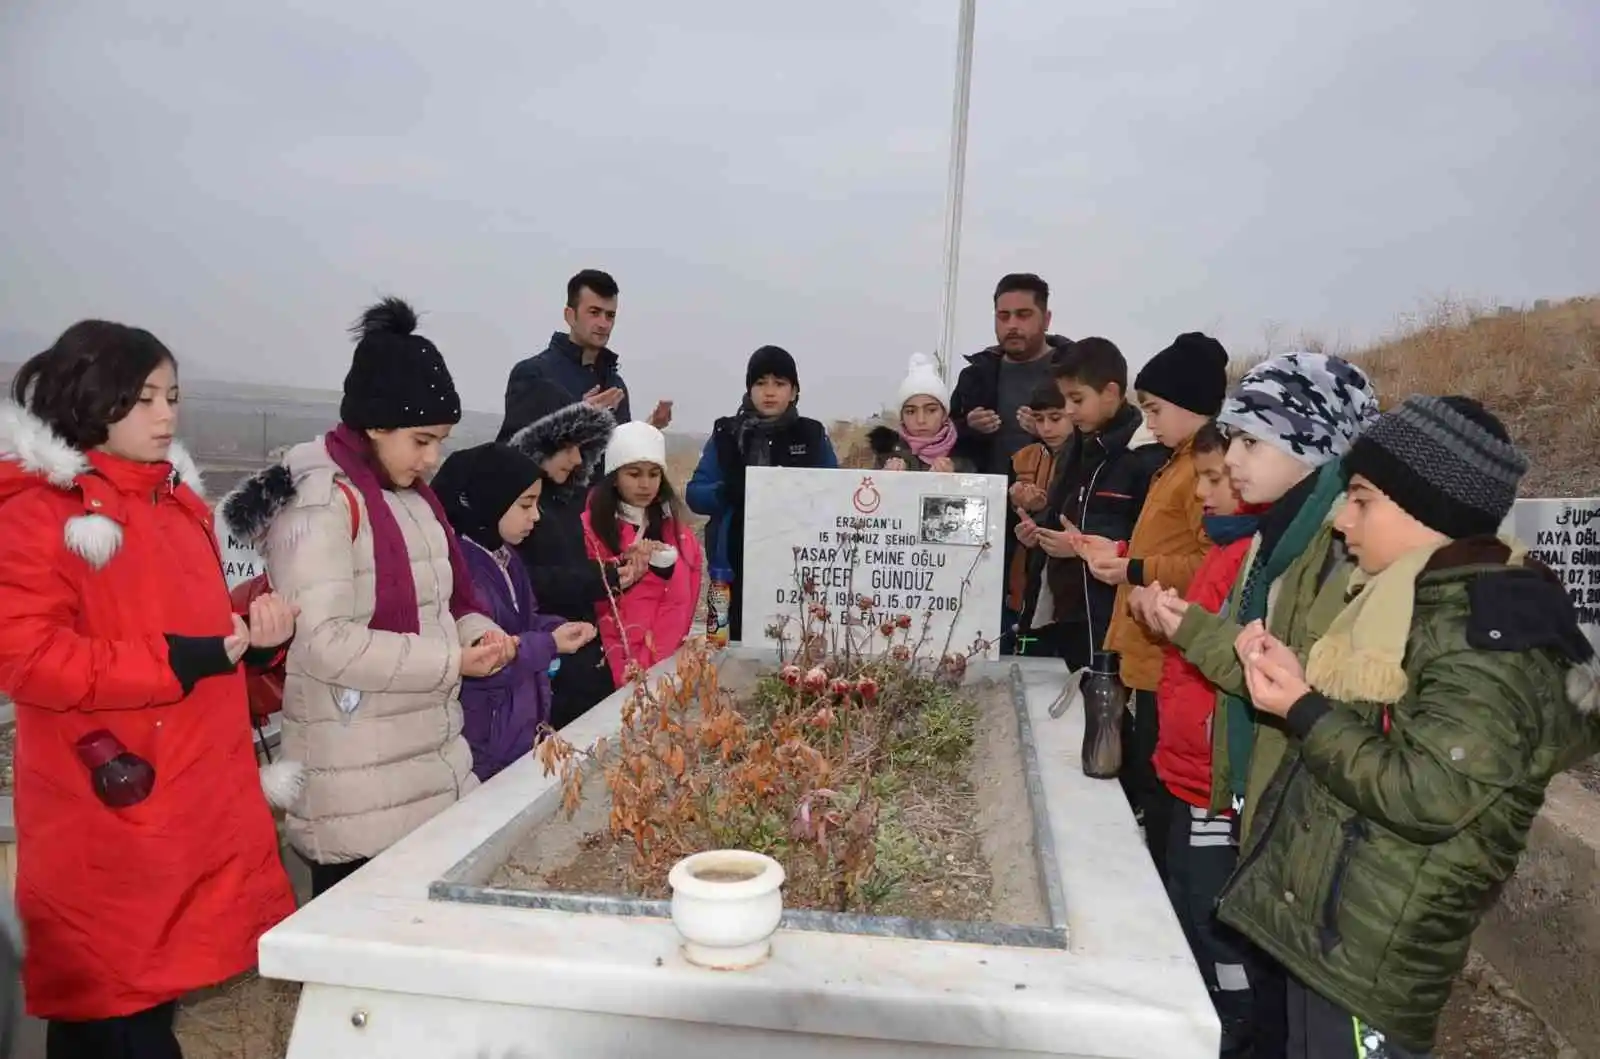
x=636 y=443
x=922 y=380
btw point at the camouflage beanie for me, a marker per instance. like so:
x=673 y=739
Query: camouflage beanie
x=1310 y=405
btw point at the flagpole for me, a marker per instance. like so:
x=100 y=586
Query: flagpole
x=957 y=183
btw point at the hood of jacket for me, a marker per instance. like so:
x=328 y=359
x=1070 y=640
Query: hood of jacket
x=33 y=456
x=578 y=424
x=1054 y=343
x=252 y=505
x=1516 y=603
x=884 y=440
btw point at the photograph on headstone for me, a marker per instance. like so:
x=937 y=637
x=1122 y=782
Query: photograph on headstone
x=925 y=545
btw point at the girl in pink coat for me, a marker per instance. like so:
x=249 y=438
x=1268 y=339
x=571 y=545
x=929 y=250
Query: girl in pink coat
x=636 y=522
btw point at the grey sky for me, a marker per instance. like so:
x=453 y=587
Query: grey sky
x=242 y=178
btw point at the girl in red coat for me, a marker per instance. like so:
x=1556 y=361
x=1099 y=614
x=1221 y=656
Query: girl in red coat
x=147 y=857
x=636 y=521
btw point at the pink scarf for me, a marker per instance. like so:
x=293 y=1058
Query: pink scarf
x=395 y=592
x=929 y=449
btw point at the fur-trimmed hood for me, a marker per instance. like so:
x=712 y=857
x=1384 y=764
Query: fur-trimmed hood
x=252 y=505
x=33 y=456
x=578 y=424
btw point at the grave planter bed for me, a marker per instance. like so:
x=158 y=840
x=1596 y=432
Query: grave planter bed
x=488 y=931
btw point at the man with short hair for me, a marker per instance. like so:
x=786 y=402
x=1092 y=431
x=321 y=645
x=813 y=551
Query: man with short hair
x=994 y=386
x=577 y=365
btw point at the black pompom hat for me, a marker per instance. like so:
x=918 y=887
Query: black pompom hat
x=397 y=379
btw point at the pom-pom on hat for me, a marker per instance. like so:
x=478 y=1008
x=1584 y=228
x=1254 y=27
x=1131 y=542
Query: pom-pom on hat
x=922 y=380
x=1191 y=373
x=397 y=378
x=636 y=443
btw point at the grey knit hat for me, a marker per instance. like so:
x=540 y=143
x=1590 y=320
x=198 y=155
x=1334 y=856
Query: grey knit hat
x=1447 y=461
x=1310 y=405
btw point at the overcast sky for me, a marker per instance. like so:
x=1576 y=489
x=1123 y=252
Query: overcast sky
x=242 y=177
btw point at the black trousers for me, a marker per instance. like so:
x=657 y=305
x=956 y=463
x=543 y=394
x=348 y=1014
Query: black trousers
x=582 y=681
x=1320 y=1029
x=144 y=1035
x=325 y=877
x=1071 y=642
x=1151 y=802
x=1201 y=854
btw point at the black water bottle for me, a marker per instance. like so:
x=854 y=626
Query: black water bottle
x=1104 y=699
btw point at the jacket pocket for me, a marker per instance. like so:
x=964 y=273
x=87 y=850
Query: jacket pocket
x=1351 y=835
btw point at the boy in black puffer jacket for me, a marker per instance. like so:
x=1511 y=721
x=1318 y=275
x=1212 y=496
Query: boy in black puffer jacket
x=1101 y=477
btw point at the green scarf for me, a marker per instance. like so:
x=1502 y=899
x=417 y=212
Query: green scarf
x=1251 y=606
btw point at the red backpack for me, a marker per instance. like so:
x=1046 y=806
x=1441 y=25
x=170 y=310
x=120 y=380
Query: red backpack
x=265 y=686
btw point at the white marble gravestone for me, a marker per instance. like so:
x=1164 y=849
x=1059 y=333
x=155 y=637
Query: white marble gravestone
x=906 y=540
x=394 y=968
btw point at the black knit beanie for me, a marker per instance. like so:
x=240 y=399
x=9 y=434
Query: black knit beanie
x=397 y=379
x=1447 y=461
x=477 y=486
x=771 y=360
x=1191 y=373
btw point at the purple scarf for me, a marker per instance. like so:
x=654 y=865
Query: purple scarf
x=395 y=592
x=929 y=449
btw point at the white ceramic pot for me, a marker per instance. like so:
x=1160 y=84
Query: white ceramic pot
x=726 y=904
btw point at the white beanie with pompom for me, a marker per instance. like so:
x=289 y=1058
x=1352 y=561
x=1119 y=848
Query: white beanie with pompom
x=922 y=380
x=636 y=443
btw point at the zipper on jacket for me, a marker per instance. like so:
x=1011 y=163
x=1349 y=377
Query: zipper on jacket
x=1084 y=493
x=1355 y=829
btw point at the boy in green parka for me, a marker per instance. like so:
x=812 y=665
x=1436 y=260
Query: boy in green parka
x=1424 y=725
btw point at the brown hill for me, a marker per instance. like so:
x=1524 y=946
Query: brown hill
x=1538 y=369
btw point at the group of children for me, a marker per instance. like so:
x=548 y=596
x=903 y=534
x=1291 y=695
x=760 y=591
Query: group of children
x=1348 y=695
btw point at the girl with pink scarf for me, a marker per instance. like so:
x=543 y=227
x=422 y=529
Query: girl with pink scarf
x=925 y=437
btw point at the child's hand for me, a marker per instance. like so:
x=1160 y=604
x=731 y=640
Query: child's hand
x=1167 y=611
x=1139 y=601
x=1255 y=644
x=271 y=620
x=1028 y=496
x=571 y=636
x=894 y=463
x=1027 y=530
x=1061 y=543
x=1274 y=688
x=1026 y=421
x=942 y=465
x=661 y=416
x=1091 y=546
x=1107 y=567
x=482 y=659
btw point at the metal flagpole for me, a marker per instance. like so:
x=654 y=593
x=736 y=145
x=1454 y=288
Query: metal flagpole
x=958 y=178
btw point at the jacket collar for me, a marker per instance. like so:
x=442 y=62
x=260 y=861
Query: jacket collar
x=561 y=343
x=1052 y=345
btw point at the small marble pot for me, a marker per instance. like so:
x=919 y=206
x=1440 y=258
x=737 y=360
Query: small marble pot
x=726 y=904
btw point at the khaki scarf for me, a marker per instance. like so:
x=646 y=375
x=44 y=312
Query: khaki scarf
x=1361 y=658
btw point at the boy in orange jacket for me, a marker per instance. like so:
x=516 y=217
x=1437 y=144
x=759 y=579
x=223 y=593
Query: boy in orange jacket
x=1032 y=468
x=1178 y=391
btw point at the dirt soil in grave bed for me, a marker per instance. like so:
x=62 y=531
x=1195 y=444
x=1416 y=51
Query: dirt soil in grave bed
x=973 y=839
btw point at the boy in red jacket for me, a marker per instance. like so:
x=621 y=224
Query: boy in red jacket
x=1201 y=851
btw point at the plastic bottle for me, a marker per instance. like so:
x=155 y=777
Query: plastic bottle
x=1104 y=699
x=120 y=777
x=719 y=597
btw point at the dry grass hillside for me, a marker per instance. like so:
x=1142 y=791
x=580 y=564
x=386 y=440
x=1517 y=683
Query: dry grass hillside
x=1538 y=369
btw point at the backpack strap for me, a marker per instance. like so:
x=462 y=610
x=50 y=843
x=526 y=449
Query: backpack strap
x=355 y=507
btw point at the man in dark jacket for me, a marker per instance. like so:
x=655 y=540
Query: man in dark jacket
x=568 y=445
x=995 y=384
x=578 y=365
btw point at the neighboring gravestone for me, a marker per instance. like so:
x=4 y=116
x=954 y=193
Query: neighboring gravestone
x=239 y=561
x=1565 y=536
x=905 y=540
